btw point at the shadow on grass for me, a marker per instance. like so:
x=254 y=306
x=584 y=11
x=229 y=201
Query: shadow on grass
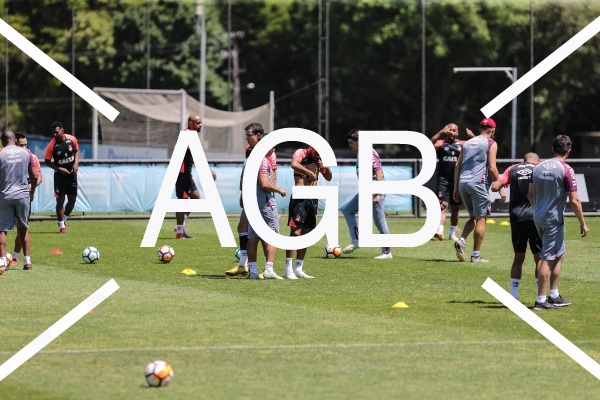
x=440 y=260
x=473 y=302
x=218 y=277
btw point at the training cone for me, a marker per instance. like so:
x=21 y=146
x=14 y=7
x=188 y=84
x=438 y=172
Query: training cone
x=400 y=304
x=490 y=221
x=504 y=223
x=56 y=251
x=188 y=271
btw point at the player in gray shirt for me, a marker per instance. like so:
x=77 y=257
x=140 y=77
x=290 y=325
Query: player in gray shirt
x=552 y=181
x=16 y=165
x=473 y=175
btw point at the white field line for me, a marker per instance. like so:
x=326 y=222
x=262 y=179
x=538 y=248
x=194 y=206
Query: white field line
x=542 y=327
x=542 y=68
x=59 y=72
x=58 y=328
x=304 y=346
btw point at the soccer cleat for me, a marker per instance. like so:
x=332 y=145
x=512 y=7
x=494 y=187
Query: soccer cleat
x=439 y=236
x=349 y=249
x=453 y=238
x=303 y=275
x=544 y=306
x=27 y=267
x=459 y=246
x=256 y=276
x=559 y=301
x=270 y=274
x=237 y=270
x=290 y=275
x=186 y=236
x=179 y=236
x=478 y=259
x=384 y=256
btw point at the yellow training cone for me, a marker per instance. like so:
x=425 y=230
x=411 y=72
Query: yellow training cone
x=188 y=271
x=400 y=304
x=504 y=223
x=490 y=221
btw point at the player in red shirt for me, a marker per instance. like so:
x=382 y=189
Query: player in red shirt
x=22 y=142
x=62 y=155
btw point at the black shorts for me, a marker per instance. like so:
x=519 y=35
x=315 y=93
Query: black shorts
x=523 y=232
x=65 y=185
x=303 y=213
x=445 y=191
x=184 y=188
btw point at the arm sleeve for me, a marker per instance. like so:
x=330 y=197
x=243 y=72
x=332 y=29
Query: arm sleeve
x=273 y=161
x=438 y=144
x=505 y=177
x=48 y=155
x=376 y=163
x=264 y=167
x=569 y=181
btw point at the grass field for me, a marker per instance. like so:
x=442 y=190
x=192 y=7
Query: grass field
x=333 y=337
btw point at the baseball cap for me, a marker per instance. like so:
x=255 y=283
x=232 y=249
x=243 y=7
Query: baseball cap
x=488 y=122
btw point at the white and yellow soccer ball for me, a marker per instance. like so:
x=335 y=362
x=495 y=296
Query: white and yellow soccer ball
x=159 y=373
x=332 y=251
x=90 y=255
x=165 y=254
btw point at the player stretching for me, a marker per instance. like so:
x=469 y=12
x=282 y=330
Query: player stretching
x=185 y=187
x=551 y=183
x=265 y=196
x=448 y=151
x=378 y=203
x=306 y=164
x=522 y=227
x=474 y=173
x=253 y=132
x=22 y=142
x=62 y=155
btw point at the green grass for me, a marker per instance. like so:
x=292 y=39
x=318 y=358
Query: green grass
x=336 y=336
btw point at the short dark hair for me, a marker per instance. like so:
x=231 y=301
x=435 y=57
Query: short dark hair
x=56 y=124
x=20 y=135
x=257 y=128
x=353 y=134
x=561 y=144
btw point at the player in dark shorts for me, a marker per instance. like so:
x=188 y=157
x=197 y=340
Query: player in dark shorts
x=522 y=227
x=62 y=155
x=447 y=149
x=307 y=165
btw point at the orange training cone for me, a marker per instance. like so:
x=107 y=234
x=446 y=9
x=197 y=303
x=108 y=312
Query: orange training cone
x=56 y=251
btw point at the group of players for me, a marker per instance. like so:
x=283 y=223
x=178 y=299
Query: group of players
x=538 y=194
x=20 y=175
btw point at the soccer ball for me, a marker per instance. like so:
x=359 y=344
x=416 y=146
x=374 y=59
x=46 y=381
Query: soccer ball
x=165 y=254
x=159 y=373
x=90 y=255
x=9 y=258
x=238 y=254
x=332 y=251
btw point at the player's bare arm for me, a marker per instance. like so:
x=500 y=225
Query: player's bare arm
x=76 y=163
x=62 y=170
x=267 y=186
x=492 y=162
x=34 y=175
x=456 y=193
x=470 y=133
x=325 y=171
x=214 y=175
x=576 y=207
x=308 y=175
x=440 y=134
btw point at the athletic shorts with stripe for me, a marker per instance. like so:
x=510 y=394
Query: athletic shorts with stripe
x=271 y=218
x=303 y=213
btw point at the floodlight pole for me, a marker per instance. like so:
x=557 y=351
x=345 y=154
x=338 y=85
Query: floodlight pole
x=511 y=72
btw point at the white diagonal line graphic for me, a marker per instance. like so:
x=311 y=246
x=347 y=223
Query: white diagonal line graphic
x=542 y=327
x=542 y=68
x=59 y=72
x=58 y=328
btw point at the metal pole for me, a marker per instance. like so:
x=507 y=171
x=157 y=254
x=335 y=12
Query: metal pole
x=272 y=110
x=423 y=107
x=73 y=69
x=513 y=149
x=320 y=109
x=203 y=60
x=183 y=119
x=6 y=71
x=148 y=45
x=228 y=55
x=531 y=93
x=327 y=70
x=94 y=133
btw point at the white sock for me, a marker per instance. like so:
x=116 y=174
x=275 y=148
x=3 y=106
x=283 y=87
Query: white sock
x=463 y=240
x=269 y=266
x=61 y=224
x=243 y=253
x=554 y=293
x=253 y=268
x=288 y=265
x=541 y=299
x=475 y=254
x=185 y=217
x=26 y=260
x=441 y=229
x=3 y=261
x=298 y=267
x=179 y=228
x=514 y=287
x=66 y=218
x=452 y=230
x=243 y=260
x=15 y=256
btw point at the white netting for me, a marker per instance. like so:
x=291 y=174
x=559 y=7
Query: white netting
x=150 y=119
